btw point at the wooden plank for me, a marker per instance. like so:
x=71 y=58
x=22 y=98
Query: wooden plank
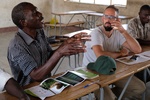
x=70 y=93
x=64 y=25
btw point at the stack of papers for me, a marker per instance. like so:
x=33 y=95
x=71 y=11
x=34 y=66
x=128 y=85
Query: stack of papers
x=134 y=59
x=52 y=86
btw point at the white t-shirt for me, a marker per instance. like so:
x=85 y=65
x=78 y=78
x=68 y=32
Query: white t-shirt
x=112 y=44
x=4 y=77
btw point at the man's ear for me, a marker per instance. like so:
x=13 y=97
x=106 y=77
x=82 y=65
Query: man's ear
x=139 y=13
x=23 y=23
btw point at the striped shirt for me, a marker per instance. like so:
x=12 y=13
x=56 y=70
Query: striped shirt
x=136 y=29
x=25 y=54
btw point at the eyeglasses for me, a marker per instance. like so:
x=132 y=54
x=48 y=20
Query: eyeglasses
x=109 y=17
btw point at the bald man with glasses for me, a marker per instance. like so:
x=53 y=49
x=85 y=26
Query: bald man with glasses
x=111 y=39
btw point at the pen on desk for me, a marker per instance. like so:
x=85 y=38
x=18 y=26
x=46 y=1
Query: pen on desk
x=91 y=83
x=146 y=55
x=52 y=91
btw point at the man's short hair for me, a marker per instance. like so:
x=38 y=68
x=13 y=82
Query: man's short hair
x=145 y=7
x=18 y=13
x=113 y=7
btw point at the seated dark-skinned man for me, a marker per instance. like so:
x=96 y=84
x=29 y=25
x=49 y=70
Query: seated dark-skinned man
x=30 y=56
x=139 y=28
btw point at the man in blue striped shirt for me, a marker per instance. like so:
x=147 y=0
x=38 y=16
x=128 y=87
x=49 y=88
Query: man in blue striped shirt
x=30 y=56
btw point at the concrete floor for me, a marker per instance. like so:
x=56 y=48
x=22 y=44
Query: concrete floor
x=4 y=42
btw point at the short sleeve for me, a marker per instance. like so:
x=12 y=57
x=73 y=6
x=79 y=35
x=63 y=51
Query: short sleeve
x=4 y=77
x=121 y=39
x=21 y=58
x=96 y=37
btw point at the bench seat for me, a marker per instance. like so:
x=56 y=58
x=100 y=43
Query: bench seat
x=64 y=25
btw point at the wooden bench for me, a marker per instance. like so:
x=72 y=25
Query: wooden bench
x=64 y=25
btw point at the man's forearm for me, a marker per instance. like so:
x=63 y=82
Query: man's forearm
x=13 y=88
x=41 y=72
x=133 y=44
x=111 y=54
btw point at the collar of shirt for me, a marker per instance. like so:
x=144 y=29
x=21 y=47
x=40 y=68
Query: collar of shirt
x=139 y=22
x=26 y=37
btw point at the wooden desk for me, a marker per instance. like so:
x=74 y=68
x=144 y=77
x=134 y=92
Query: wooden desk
x=128 y=69
x=125 y=18
x=72 y=93
x=73 y=13
x=123 y=71
x=74 y=33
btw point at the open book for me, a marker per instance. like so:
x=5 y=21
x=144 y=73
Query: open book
x=52 y=86
x=134 y=59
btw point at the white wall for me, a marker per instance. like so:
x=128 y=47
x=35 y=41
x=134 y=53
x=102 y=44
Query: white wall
x=132 y=8
x=6 y=7
x=48 y=6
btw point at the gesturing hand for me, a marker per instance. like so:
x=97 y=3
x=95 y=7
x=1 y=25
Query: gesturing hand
x=82 y=36
x=72 y=46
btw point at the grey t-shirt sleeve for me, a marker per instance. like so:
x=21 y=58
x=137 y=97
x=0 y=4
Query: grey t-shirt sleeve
x=122 y=39
x=96 y=38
